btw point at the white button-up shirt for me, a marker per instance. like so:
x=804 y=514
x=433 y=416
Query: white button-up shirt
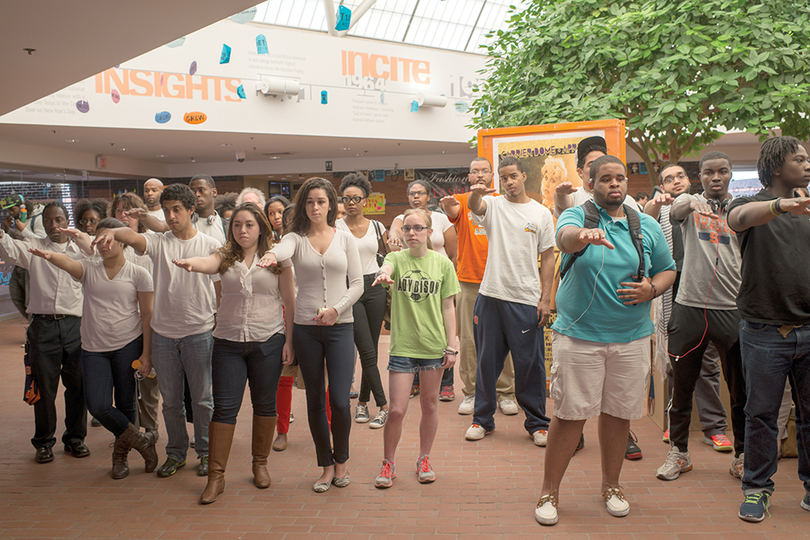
x=53 y=291
x=251 y=307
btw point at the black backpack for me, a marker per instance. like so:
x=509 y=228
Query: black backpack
x=592 y=222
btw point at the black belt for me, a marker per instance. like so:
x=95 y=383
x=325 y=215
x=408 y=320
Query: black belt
x=55 y=316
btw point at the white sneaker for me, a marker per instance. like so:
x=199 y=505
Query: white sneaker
x=509 y=407
x=617 y=505
x=476 y=433
x=676 y=463
x=467 y=405
x=379 y=420
x=540 y=437
x=546 y=511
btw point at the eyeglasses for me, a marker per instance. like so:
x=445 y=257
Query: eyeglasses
x=355 y=199
x=679 y=176
x=414 y=228
x=88 y=221
x=480 y=173
x=417 y=193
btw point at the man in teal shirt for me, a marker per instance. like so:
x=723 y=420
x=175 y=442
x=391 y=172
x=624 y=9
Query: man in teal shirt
x=601 y=341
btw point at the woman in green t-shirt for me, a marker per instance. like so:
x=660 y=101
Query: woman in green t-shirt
x=423 y=337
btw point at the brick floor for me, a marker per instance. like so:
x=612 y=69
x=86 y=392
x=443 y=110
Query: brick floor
x=486 y=489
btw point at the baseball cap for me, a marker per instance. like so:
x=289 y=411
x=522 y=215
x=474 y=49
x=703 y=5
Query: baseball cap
x=588 y=144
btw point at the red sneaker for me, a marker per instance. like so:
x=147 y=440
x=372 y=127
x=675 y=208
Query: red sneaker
x=447 y=393
x=719 y=442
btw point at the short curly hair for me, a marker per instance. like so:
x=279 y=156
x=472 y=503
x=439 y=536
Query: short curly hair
x=181 y=193
x=358 y=181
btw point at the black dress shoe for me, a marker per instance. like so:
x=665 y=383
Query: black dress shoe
x=44 y=455
x=77 y=450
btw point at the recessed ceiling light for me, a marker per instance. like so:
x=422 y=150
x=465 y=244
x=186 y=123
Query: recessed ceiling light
x=224 y=144
x=162 y=155
x=274 y=157
x=123 y=149
x=345 y=148
x=71 y=140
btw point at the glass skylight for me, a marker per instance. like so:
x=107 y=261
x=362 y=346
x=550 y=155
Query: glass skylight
x=458 y=25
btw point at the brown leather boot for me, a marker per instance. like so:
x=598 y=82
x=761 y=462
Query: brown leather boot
x=144 y=443
x=263 y=429
x=120 y=467
x=220 y=437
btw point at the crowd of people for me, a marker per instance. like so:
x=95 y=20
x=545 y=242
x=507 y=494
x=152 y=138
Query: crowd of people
x=188 y=296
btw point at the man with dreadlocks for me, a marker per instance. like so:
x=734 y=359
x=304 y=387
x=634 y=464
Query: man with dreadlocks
x=774 y=302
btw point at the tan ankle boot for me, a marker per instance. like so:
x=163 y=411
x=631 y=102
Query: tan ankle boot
x=263 y=429
x=220 y=437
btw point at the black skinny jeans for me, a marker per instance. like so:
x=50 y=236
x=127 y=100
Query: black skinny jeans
x=368 y=314
x=686 y=328
x=332 y=344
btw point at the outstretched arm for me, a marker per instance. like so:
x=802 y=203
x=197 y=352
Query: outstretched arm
x=150 y=222
x=562 y=197
x=203 y=265
x=758 y=213
x=571 y=239
x=60 y=260
x=476 y=201
x=82 y=239
x=121 y=234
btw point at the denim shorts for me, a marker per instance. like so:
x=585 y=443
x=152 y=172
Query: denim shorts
x=405 y=364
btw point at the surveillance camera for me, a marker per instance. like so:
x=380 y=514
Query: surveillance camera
x=240 y=156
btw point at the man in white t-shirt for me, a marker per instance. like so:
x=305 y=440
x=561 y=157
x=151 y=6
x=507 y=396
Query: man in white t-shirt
x=152 y=189
x=514 y=299
x=205 y=219
x=182 y=323
x=566 y=195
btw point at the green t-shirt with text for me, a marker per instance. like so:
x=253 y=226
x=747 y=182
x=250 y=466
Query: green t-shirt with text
x=420 y=285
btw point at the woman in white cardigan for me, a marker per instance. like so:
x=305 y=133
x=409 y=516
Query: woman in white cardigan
x=323 y=259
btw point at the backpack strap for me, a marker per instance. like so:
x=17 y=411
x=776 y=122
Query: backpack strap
x=634 y=224
x=591 y=222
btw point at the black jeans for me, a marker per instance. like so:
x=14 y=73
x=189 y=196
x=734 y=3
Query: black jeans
x=686 y=328
x=334 y=345
x=235 y=363
x=107 y=374
x=368 y=314
x=55 y=347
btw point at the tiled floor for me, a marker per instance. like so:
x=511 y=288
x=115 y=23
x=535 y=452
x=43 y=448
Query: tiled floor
x=486 y=489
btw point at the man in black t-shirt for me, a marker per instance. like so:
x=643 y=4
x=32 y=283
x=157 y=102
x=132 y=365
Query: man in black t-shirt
x=774 y=301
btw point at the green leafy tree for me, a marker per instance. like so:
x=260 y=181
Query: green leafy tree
x=677 y=72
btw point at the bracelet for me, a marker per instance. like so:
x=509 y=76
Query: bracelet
x=450 y=351
x=655 y=289
x=774 y=205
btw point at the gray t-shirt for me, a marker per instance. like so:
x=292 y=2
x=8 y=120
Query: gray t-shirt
x=705 y=241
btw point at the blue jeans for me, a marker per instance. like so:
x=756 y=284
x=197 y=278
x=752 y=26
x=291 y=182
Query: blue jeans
x=768 y=360
x=334 y=346
x=235 y=363
x=174 y=359
x=108 y=374
x=502 y=327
